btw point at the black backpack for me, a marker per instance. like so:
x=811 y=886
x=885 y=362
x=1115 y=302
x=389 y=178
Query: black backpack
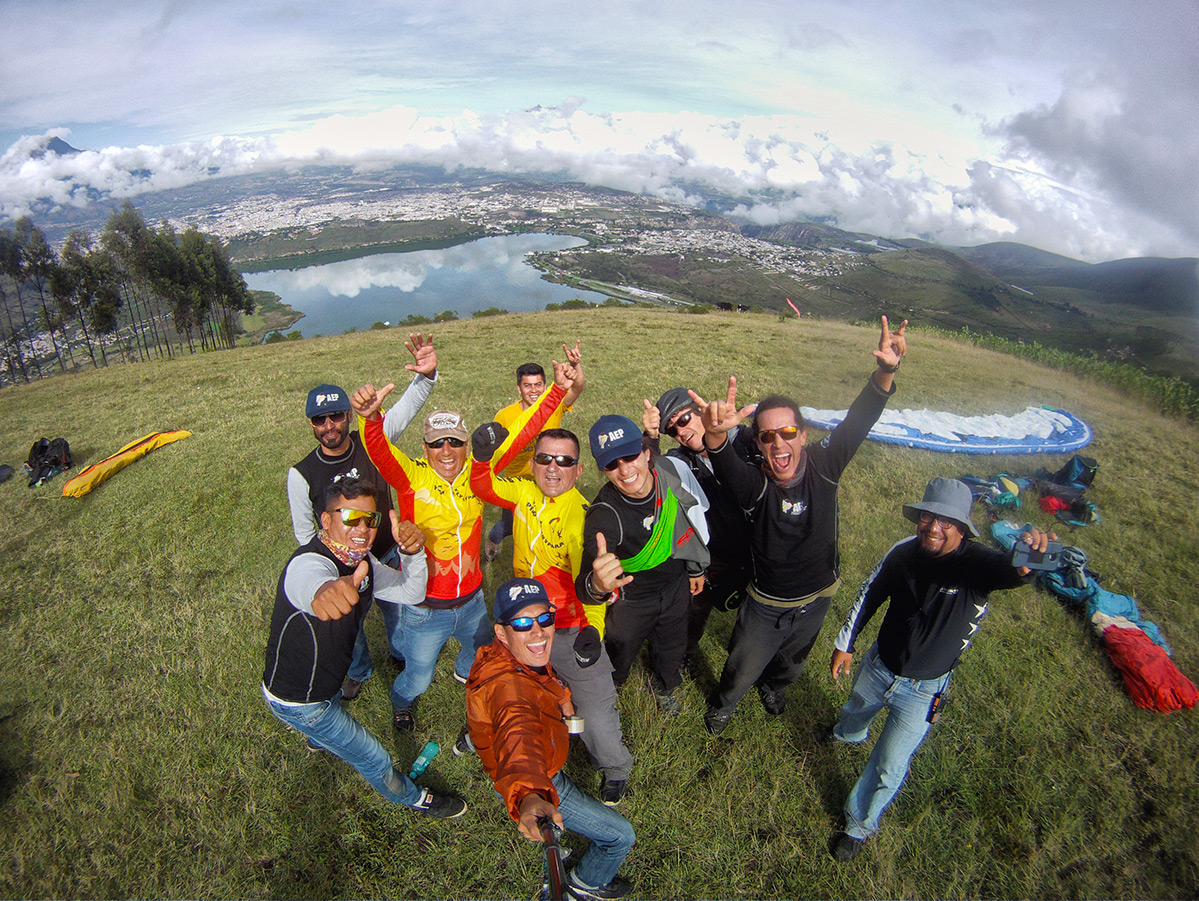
x=47 y=459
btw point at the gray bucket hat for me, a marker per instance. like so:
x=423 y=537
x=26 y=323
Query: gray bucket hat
x=945 y=497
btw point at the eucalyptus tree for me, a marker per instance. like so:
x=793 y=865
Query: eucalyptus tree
x=12 y=268
x=37 y=266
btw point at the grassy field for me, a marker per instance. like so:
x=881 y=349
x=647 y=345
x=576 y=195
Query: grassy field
x=138 y=760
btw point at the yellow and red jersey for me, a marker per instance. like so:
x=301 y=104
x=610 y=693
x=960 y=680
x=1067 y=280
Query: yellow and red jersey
x=518 y=467
x=450 y=514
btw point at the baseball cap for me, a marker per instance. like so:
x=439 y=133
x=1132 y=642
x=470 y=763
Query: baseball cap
x=326 y=399
x=515 y=595
x=445 y=424
x=614 y=436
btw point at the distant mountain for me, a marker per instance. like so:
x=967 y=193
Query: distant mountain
x=57 y=146
x=1149 y=283
x=818 y=236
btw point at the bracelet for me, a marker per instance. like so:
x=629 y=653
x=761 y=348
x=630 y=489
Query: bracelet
x=890 y=370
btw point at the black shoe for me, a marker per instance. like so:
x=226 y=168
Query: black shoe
x=619 y=887
x=690 y=666
x=715 y=723
x=612 y=790
x=775 y=702
x=350 y=688
x=827 y=737
x=403 y=719
x=463 y=745
x=667 y=703
x=439 y=806
x=845 y=847
x=399 y=662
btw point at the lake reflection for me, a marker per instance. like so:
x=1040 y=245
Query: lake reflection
x=388 y=287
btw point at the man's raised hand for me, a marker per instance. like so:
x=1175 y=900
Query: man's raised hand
x=892 y=345
x=366 y=401
x=423 y=354
x=607 y=572
x=721 y=416
x=337 y=597
x=651 y=419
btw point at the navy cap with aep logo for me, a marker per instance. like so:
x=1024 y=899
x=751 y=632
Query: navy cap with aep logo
x=612 y=437
x=326 y=399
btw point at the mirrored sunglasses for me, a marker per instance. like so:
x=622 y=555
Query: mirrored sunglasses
x=525 y=623
x=674 y=427
x=441 y=442
x=627 y=458
x=563 y=460
x=766 y=436
x=322 y=418
x=351 y=518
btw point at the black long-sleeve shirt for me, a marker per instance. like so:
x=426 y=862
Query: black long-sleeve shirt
x=793 y=526
x=937 y=604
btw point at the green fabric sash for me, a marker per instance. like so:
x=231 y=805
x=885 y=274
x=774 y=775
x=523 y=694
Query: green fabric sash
x=657 y=549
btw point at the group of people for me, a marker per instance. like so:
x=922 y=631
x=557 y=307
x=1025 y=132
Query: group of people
x=741 y=514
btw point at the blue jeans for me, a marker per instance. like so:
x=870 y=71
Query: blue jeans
x=327 y=724
x=360 y=665
x=425 y=633
x=908 y=702
x=611 y=834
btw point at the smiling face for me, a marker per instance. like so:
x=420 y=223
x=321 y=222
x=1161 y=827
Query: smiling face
x=783 y=455
x=447 y=461
x=552 y=479
x=530 y=387
x=938 y=536
x=358 y=536
x=531 y=648
x=332 y=431
x=632 y=477
x=691 y=433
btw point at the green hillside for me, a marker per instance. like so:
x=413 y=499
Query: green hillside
x=137 y=758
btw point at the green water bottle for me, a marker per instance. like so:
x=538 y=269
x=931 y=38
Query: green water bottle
x=427 y=753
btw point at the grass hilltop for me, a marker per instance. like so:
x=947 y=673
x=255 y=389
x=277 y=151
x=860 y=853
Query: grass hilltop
x=137 y=758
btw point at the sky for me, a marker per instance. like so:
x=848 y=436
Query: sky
x=1070 y=126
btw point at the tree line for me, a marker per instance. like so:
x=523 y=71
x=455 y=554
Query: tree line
x=135 y=293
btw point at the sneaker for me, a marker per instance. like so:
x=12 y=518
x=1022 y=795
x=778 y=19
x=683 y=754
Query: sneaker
x=612 y=790
x=715 y=723
x=827 y=737
x=774 y=701
x=463 y=745
x=459 y=678
x=619 y=887
x=439 y=806
x=491 y=551
x=690 y=666
x=667 y=703
x=399 y=662
x=845 y=847
x=314 y=748
x=350 y=688
x=403 y=719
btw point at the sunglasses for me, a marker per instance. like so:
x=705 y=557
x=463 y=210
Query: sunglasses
x=674 y=427
x=525 y=623
x=766 y=436
x=441 y=442
x=335 y=418
x=563 y=460
x=351 y=518
x=628 y=458
x=943 y=521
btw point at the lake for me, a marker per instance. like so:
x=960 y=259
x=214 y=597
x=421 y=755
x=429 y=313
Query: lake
x=388 y=287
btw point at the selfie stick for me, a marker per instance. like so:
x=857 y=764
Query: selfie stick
x=555 y=869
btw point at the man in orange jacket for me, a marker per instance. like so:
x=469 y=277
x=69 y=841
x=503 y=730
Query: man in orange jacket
x=515 y=710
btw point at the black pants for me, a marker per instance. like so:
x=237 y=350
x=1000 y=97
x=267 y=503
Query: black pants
x=769 y=647
x=723 y=589
x=660 y=617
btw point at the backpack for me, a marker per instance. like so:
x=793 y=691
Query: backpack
x=1078 y=472
x=47 y=459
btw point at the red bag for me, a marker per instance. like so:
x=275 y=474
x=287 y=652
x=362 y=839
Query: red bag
x=1150 y=676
